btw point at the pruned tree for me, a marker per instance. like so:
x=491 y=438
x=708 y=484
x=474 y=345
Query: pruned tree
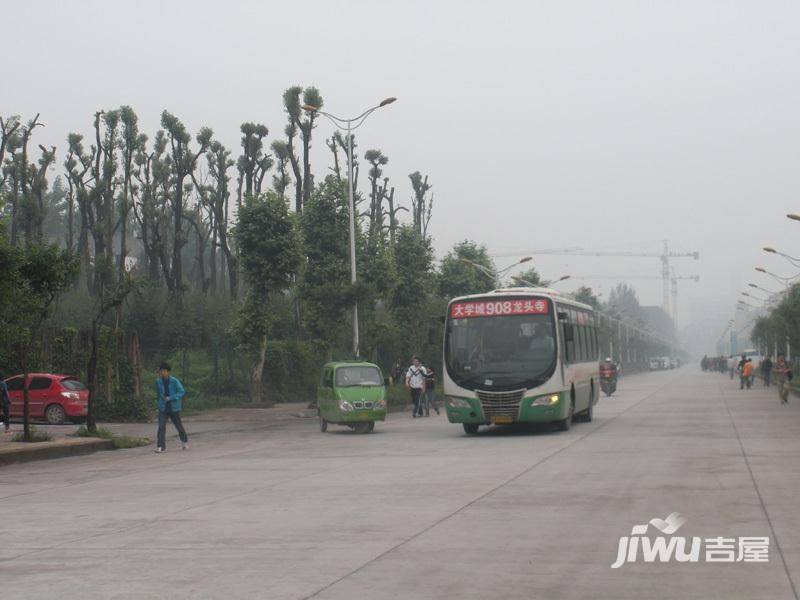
x=304 y=181
x=377 y=191
x=183 y=161
x=422 y=205
x=270 y=253
x=131 y=144
x=281 y=180
x=253 y=164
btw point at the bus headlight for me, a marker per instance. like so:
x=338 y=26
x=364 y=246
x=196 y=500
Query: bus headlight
x=545 y=400
x=345 y=406
x=380 y=404
x=457 y=403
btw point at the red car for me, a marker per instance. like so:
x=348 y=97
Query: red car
x=54 y=398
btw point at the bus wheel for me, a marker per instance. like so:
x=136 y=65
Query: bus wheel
x=323 y=425
x=371 y=427
x=588 y=414
x=565 y=424
x=363 y=427
x=470 y=428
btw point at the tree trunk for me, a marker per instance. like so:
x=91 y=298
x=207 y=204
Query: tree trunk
x=177 y=244
x=91 y=377
x=256 y=375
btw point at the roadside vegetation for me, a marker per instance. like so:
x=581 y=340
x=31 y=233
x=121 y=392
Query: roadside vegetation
x=120 y=441
x=133 y=247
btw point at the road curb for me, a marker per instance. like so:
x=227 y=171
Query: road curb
x=27 y=452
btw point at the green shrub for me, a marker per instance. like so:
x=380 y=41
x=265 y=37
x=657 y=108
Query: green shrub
x=397 y=396
x=126 y=409
x=83 y=431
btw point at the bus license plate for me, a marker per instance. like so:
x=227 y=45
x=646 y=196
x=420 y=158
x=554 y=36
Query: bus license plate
x=363 y=415
x=502 y=420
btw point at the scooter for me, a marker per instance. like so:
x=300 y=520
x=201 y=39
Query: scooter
x=608 y=381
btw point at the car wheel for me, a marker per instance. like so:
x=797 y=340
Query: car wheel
x=470 y=428
x=55 y=414
x=323 y=425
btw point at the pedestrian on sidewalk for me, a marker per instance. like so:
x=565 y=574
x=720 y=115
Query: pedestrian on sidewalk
x=733 y=361
x=747 y=374
x=170 y=402
x=783 y=377
x=766 y=370
x=430 y=392
x=415 y=381
x=5 y=405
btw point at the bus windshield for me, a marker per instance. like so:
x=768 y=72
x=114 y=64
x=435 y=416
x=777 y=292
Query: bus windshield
x=497 y=352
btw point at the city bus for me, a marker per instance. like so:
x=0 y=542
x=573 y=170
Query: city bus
x=520 y=355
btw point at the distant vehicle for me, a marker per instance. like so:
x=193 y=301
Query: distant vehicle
x=520 y=355
x=753 y=355
x=352 y=394
x=54 y=398
x=608 y=379
x=657 y=363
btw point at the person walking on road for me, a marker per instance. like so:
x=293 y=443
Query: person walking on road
x=5 y=405
x=766 y=370
x=747 y=374
x=415 y=381
x=783 y=375
x=733 y=361
x=170 y=402
x=430 y=392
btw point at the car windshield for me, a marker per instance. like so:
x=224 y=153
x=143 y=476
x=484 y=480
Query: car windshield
x=358 y=376
x=500 y=351
x=73 y=385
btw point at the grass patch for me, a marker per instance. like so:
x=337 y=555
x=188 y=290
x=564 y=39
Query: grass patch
x=83 y=431
x=126 y=441
x=36 y=436
x=121 y=442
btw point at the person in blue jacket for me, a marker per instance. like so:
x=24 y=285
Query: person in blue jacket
x=5 y=405
x=170 y=394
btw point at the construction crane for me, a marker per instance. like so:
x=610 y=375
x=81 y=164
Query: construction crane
x=663 y=256
x=673 y=280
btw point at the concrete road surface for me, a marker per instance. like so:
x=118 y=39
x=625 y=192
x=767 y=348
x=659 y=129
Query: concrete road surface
x=418 y=510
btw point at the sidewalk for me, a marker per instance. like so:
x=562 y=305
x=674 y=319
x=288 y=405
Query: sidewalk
x=209 y=422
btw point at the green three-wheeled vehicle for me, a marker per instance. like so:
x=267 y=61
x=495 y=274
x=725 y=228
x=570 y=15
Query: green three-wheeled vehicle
x=353 y=394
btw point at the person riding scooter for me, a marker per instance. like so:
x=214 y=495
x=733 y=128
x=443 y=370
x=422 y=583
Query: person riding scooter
x=608 y=377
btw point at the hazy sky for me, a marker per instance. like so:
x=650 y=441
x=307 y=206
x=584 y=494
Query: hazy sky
x=601 y=125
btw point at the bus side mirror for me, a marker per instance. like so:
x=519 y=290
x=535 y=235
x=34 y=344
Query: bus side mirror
x=386 y=381
x=569 y=333
x=562 y=316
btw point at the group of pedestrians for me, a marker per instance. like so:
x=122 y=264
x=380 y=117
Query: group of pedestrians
x=779 y=372
x=421 y=381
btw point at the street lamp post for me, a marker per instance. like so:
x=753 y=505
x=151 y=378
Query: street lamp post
x=496 y=275
x=786 y=281
x=795 y=261
x=348 y=126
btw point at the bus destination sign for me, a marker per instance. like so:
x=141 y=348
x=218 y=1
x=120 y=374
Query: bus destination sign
x=499 y=308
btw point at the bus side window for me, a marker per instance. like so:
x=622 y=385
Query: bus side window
x=570 y=343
